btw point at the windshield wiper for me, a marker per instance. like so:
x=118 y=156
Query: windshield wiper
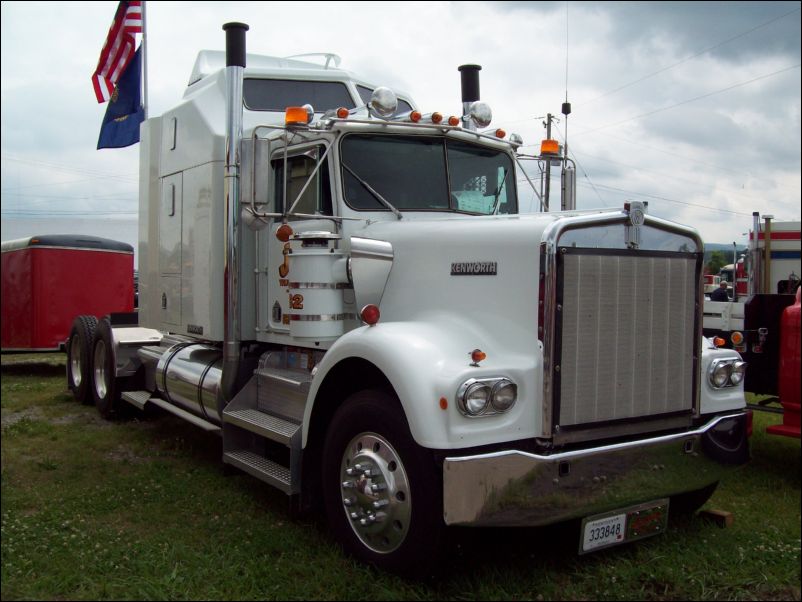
x=498 y=193
x=375 y=194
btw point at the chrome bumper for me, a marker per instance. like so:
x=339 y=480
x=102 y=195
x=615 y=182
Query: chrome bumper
x=514 y=488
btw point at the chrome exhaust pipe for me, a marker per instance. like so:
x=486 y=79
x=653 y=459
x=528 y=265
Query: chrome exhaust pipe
x=235 y=67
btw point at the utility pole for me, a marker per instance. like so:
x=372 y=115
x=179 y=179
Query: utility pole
x=547 y=123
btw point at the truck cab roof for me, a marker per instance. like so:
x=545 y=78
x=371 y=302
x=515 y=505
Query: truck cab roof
x=274 y=83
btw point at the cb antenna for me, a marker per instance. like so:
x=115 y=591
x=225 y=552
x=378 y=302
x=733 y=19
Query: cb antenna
x=568 y=201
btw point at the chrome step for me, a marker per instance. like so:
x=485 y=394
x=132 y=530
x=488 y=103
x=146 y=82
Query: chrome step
x=263 y=469
x=136 y=398
x=255 y=421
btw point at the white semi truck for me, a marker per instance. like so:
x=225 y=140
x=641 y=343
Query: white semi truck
x=343 y=289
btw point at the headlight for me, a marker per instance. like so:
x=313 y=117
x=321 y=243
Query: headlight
x=738 y=373
x=486 y=396
x=476 y=398
x=504 y=394
x=726 y=373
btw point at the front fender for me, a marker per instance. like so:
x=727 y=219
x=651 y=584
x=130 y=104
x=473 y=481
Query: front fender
x=429 y=359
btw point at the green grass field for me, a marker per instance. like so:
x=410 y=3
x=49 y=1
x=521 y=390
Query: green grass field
x=141 y=509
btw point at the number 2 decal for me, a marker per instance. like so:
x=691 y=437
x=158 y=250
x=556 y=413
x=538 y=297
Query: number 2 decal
x=296 y=301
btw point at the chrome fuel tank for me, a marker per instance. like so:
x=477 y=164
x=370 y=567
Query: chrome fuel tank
x=188 y=375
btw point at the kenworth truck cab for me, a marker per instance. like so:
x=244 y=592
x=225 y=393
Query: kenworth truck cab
x=350 y=298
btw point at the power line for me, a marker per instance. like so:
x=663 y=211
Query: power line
x=686 y=59
x=738 y=85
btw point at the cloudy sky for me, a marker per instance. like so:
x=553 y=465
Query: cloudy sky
x=691 y=106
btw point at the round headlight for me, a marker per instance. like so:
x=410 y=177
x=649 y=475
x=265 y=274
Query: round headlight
x=476 y=398
x=504 y=395
x=720 y=375
x=738 y=373
x=383 y=102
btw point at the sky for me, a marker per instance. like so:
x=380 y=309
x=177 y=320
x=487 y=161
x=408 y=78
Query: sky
x=693 y=107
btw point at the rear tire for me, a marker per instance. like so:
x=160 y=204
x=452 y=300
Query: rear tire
x=79 y=358
x=381 y=490
x=105 y=384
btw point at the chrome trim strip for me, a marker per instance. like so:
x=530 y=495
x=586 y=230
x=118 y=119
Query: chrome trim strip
x=321 y=285
x=515 y=488
x=61 y=248
x=321 y=317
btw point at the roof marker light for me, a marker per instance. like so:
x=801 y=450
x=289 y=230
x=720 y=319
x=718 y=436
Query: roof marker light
x=415 y=116
x=296 y=116
x=342 y=113
x=499 y=133
x=437 y=117
x=453 y=121
x=549 y=147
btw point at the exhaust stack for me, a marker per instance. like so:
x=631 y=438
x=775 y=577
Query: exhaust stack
x=469 y=79
x=235 y=67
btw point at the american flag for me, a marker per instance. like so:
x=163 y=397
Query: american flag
x=119 y=48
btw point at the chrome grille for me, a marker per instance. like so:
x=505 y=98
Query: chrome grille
x=627 y=340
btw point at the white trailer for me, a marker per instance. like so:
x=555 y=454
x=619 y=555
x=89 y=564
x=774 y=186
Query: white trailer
x=349 y=296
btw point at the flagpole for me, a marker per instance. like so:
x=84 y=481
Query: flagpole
x=144 y=60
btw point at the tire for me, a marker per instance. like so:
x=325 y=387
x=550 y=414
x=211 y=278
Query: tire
x=79 y=358
x=381 y=491
x=105 y=384
x=685 y=504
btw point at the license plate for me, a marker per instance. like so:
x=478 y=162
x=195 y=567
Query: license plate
x=622 y=526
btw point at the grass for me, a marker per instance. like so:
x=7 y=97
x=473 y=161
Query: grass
x=141 y=510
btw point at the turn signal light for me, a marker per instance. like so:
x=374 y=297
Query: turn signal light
x=296 y=116
x=477 y=355
x=370 y=314
x=719 y=342
x=549 y=147
x=342 y=113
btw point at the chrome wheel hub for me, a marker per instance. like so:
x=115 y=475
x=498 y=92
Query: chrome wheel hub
x=375 y=492
x=100 y=369
x=75 y=362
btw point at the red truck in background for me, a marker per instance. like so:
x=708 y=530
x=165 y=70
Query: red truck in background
x=762 y=319
x=48 y=280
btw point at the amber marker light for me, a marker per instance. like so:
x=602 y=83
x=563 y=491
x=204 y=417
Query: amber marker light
x=549 y=147
x=443 y=403
x=370 y=315
x=500 y=133
x=284 y=232
x=477 y=355
x=719 y=342
x=437 y=117
x=342 y=113
x=415 y=116
x=737 y=338
x=296 y=116
x=453 y=121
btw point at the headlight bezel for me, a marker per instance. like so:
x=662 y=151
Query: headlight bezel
x=495 y=388
x=726 y=373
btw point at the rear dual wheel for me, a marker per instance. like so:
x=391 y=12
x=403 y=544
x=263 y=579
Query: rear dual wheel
x=106 y=387
x=79 y=361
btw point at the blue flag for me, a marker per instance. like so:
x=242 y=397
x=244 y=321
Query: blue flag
x=121 y=123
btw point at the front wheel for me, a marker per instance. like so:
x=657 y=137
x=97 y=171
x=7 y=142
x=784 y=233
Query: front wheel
x=381 y=492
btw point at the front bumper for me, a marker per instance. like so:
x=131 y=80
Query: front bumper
x=514 y=488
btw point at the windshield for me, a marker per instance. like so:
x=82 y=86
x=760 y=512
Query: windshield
x=426 y=173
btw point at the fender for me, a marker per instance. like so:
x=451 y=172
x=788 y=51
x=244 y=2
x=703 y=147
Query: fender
x=429 y=359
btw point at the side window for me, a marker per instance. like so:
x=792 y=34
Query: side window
x=316 y=197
